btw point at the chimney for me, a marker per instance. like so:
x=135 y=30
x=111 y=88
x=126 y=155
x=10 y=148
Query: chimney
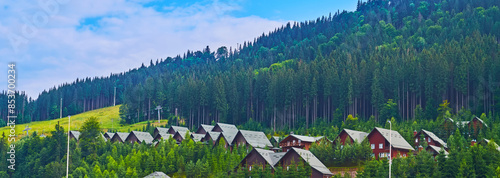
x=414 y=132
x=473 y=142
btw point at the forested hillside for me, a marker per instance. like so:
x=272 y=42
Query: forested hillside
x=413 y=54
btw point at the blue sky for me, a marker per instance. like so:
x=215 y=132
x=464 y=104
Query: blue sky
x=61 y=40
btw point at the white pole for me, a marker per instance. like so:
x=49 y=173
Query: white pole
x=114 y=98
x=390 y=148
x=67 y=157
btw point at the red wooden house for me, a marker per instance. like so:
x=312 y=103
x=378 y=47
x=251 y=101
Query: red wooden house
x=353 y=136
x=379 y=143
x=298 y=141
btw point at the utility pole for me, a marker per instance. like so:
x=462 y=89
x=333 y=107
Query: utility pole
x=67 y=157
x=390 y=147
x=158 y=108
x=114 y=98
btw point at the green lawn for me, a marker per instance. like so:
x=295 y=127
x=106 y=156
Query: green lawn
x=108 y=117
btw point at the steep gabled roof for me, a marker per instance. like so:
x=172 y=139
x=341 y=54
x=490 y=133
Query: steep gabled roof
x=182 y=134
x=207 y=128
x=397 y=140
x=226 y=127
x=122 y=136
x=76 y=134
x=197 y=137
x=213 y=135
x=141 y=136
x=314 y=162
x=255 y=139
x=164 y=135
x=438 y=149
x=160 y=130
x=356 y=135
x=228 y=136
x=270 y=156
x=434 y=137
x=109 y=134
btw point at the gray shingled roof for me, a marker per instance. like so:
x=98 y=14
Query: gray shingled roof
x=228 y=136
x=120 y=135
x=227 y=127
x=76 y=134
x=157 y=175
x=270 y=156
x=197 y=137
x=142 y=137
x=488 y=142
x=161 y=130
x=434 y=137
x=109 y=134
x=213 y=135
x=207 y=128
x=177 y=128
x=397 y=140
x=275 y=138
x=255 y=139
x=356 y=135
x=314 y=162
x=181 y=133
x=438 y=149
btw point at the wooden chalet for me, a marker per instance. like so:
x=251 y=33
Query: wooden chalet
x=298 y=141
x=211 y=137
x=139 y=137
x=294 y=155
x=430 y=138
x=108 y=135
x=159 y=130
x=353 y=135
x=179 y=136
x=222 y=127
x=228 y=138
x=251 y=138
x=162 y=135
x=119 y=137
x=203 y=129
x=379 y=143
x=260 y=157
x=74 y=135
x=173 y=129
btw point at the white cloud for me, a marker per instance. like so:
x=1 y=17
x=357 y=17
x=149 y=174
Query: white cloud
x=127 y=35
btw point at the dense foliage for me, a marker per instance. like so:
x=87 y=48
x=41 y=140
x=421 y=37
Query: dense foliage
x=417 y=53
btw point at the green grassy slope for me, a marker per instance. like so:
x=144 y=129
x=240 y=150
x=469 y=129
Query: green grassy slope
x=108 y=117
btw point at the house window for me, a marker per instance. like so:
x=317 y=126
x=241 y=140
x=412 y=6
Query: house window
x=287 y=168
x=341 y=146
x=416 y=140
x=380 y=146
x=299 y=142
x=294 y=142
x=250 y=168
x=373 y=146
x=373 y=155
x=428 y=139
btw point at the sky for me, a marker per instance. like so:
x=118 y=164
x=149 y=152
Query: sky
x=57 y=41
